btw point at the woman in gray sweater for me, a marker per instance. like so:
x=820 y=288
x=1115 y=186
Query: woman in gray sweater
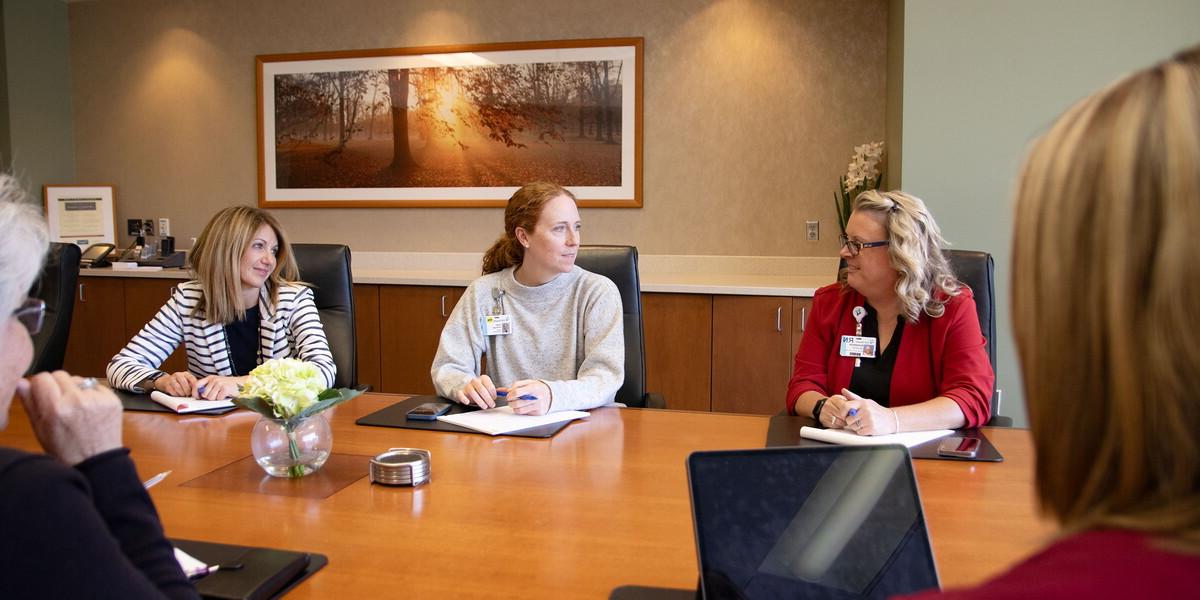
x=551 y=331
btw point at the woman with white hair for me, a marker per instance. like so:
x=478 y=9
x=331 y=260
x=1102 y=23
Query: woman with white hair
x=76 y=521
x=896 y=345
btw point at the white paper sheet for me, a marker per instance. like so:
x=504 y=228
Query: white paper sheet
x=502 y=419
x=187 y=404
x=846 y=438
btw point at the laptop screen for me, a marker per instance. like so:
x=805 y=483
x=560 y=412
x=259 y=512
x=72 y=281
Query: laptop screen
x=831 y=522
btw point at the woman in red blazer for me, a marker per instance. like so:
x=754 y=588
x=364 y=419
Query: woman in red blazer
x=897 y=345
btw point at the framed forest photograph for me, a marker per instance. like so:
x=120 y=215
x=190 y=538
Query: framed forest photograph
x=451 y=126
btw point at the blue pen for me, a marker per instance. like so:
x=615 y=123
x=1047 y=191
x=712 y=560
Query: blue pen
x=853 y=412
x=504 y=394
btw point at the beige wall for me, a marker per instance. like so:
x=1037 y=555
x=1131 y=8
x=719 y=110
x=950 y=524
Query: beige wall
x=751 y=108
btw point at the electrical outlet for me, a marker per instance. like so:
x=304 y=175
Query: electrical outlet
x=164 y=226
x=133 y=227
x=148 y=227
x=812 y=231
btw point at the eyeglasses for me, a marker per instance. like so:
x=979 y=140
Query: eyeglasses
x=855 y=246
x=31 y=314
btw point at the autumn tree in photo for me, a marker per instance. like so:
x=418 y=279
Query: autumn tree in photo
x=450 y=126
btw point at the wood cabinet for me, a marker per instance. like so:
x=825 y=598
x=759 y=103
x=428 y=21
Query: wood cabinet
x=801 y=309
x=751 y=353
x=703 y=352
x=143 y=299
x=411 y=319
x=97 y=325
x=366 y=334
x=109 y=311
x=678 y=340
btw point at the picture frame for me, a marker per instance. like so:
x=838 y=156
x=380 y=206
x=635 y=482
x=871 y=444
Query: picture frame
x=81 y=214
x=450 y=126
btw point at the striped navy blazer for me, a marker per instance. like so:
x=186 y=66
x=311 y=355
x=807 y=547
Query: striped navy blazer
x=289 y=329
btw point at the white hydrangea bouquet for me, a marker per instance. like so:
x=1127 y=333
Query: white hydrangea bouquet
x=861 y=175
x=288 y=392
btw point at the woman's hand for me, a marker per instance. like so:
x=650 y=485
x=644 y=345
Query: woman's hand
x=218 y=387
x=478 y=391
x=73 y=418
x=539 y=405
x=869 y=417
x=181 y=384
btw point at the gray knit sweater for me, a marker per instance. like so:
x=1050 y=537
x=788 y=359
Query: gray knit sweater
x=566 y=332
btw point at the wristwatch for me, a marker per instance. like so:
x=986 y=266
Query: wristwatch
x=816 y=413
x=147 y=383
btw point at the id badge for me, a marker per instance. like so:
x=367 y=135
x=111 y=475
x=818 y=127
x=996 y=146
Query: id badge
x=496 y=325
x=858 y=346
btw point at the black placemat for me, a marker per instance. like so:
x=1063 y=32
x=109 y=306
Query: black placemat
x=396 y=415
x=784 y=430
x=215 y=554
x=142 y=402
x=641 y=592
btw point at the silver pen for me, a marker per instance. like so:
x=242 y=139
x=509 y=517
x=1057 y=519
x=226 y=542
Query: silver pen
x=149 y=483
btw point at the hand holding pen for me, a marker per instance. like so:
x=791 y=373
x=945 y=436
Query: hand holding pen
x=864 y=416
x=527 y=397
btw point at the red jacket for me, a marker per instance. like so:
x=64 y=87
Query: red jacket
x=946 y=356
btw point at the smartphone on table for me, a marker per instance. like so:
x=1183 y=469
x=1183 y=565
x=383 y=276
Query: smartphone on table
x=428 y=411
x=959 y=447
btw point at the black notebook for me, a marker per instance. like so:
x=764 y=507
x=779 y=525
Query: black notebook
x=396 y=415
x=142 y=402
x=250 y=573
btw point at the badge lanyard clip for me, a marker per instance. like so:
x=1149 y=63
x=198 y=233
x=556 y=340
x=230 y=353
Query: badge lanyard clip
x=497 y=323
x=859 y=313
x=498 y=299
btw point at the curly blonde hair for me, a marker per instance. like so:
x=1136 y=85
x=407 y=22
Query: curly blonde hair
x=926 y=281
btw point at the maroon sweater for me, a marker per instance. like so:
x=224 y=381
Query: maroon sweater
x=946 y=356
x=1091 y=565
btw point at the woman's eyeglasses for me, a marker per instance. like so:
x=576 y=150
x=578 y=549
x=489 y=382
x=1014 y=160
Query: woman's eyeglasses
x=855 y=246
x=31 y=314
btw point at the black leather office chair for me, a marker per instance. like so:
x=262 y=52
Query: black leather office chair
x=57 y=287
x=977 y=270
x=326 y=267
x=619 y=263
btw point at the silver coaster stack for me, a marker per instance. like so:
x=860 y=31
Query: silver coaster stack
x=401 y=466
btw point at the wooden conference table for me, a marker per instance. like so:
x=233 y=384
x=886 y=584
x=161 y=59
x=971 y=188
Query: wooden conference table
x=602 y=504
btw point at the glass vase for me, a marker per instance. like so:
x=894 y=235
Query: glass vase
x=291 y=448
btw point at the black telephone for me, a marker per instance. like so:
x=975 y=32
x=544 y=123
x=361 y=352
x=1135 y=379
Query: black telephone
x=96 y=256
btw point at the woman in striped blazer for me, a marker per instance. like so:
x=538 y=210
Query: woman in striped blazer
x=244 y=307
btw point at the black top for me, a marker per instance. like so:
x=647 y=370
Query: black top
x=874 y=378
x=84 y=532
x=243 y=342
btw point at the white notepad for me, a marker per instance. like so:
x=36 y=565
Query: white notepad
x=846 y=438
x=187 y=404
x=499 y=420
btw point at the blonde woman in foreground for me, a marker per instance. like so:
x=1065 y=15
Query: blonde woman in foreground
x=1105 y=283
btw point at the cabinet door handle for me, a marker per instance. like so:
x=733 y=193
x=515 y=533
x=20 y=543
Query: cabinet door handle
x=444 y=315
x=803 y=318
x=779 y=319
x=81 y=293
